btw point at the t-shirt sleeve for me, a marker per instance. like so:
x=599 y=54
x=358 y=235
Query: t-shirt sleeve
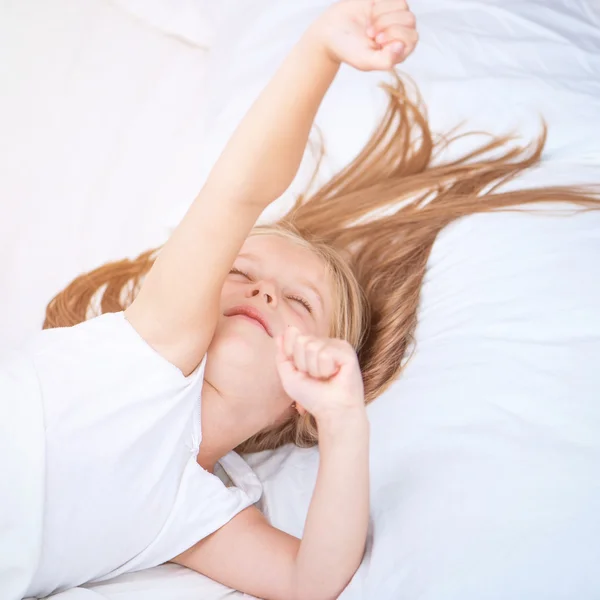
x=204 y=504
x=101 y=374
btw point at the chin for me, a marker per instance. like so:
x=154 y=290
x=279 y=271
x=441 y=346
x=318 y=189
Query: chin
x=243 y=363
x=243 y=344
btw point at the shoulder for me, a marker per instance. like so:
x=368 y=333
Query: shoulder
x=104 y=343
x=103 y=367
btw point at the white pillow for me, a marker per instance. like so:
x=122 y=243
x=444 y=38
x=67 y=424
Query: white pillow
x=94 y=109
x=485 y=453
x=192 y=21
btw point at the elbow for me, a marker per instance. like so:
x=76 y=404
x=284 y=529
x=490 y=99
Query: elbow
x=326 y=590
x=326 y=580
x=320 y=595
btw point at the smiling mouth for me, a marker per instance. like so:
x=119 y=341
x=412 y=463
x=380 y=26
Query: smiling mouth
x=251 y=319
x=250 y=314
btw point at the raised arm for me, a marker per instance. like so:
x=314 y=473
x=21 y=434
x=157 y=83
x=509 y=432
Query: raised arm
x=176 y=308
x=323 y=377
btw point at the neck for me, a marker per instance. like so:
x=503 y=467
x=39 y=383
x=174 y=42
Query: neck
x=223 y=427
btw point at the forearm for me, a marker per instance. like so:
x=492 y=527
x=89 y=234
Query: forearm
x=264 y=153
x=336 y=527
x=176 y=309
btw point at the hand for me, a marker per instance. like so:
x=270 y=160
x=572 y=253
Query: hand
x=369 y=35
x=321 y=375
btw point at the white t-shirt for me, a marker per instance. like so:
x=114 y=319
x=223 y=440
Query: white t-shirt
x=123 y=490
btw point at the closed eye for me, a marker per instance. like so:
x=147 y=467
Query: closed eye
x=236 y=271
x=302 y=301
x=299 y=299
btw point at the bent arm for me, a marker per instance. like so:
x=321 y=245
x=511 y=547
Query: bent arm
x=336 y=527
x=249 y=555
x=177 y=307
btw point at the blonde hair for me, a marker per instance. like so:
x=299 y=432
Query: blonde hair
x=374 y=225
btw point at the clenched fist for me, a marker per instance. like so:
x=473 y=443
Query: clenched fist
x=369 y=35
x=321 y=375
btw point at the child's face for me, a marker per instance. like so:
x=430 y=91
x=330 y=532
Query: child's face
x=286 y=284
x=274 y=284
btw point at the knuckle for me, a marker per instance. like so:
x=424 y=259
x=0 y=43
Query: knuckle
x=410 y=19
x=389 y=33
x=396 y=5
x=402 y=31
x=302 y=340
x=345 y=347
x=324 y=354
x=381 y=21
x=313 y=345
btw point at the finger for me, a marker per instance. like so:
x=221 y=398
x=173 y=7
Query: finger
x=383 y=14
x=382 y=7
x=403 y=18
x=397 y=33
x=289 y=340
x=385 y=58
x=300 y=353
x=399 y=45
x=280 y=355
x=286 y=369
x=341 y=352
x=409 y=44
x=313 y=349
x=327 y=365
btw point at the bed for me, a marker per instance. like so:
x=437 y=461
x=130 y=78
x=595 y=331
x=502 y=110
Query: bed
x=486 y=453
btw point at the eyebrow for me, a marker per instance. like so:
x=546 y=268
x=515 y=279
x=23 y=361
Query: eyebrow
x=303 y=282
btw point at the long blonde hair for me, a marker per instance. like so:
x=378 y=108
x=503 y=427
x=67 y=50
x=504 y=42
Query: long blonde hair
x=374 y=225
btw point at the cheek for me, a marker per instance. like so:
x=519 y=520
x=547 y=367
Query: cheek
x=228 y=293
x=304 y=322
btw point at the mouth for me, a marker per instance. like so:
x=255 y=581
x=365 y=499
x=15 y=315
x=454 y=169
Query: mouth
x=252 y=313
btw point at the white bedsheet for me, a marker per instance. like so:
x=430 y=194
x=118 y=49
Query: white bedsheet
x=102 y=116
x=168 y=582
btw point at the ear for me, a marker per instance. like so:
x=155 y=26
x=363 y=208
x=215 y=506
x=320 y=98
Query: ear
x=301 y=410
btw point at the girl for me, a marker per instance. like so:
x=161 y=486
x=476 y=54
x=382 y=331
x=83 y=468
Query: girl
x=128 y=466
x=325 y=270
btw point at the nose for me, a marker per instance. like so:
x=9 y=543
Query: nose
x=265 y=290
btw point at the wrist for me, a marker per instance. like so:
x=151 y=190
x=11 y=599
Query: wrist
x=314 y=39
x=343 y=420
